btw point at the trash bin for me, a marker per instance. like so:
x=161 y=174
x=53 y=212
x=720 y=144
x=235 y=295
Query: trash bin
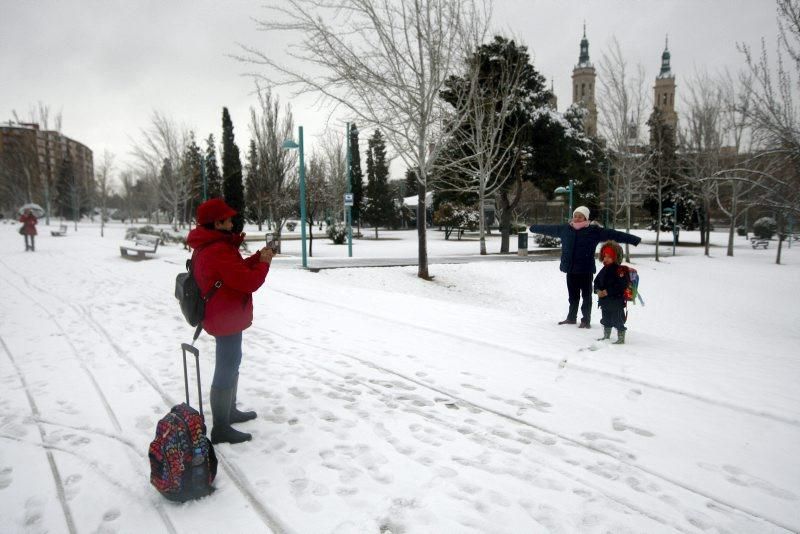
x=522 y=244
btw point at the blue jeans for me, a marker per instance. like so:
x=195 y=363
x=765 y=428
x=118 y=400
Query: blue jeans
x=229 y=356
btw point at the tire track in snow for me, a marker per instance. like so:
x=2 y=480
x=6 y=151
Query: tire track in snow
x=575 y=367
x=109 y=411
x=240 y=482
x=43 y=435
x=745 y=512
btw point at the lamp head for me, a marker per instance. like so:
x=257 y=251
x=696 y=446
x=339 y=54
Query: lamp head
x=288 y=143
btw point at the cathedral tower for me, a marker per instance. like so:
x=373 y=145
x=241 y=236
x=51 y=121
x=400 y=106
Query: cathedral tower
x=664 y=91
x=583 y=84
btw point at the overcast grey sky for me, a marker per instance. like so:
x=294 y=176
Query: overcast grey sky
x=107 y=64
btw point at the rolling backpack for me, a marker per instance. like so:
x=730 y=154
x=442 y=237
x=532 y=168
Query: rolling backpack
x=183 y=464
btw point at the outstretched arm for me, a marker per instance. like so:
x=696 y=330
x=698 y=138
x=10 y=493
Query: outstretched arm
x=553 y=230
x=619 y=237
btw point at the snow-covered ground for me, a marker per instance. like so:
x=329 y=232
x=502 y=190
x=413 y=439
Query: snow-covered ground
x=390 y=404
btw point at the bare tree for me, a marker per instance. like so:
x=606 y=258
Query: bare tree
x=19 y=168
x=41 y=174
x=701 y=139
x=732 y=189
x=385 y=62
x=622 y=103
x=483 y=151
x=160 y=155
x=270 y=128
x=335 y=161
x=317 y=195
x=775 y=119
x=103 y=176
x=128 y=180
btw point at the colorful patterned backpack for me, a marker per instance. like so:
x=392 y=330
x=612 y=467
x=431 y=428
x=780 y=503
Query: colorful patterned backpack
x=182 y=460
x=631 y=292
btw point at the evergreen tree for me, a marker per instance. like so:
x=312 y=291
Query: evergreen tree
x=547 y=148
x=213 y=179
x=232 y=183
x=411 y=183
x=193 y=159
x=380 y=208
x=356 y=176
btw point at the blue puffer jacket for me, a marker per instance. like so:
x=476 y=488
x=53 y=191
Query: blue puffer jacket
x=578 y=246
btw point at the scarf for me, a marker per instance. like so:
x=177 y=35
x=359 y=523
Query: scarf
x=579 y=225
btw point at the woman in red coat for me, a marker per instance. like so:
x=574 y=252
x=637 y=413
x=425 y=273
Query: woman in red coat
x=229 y=310
x=28 y=220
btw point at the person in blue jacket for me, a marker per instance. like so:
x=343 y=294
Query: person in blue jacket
x=579 y=239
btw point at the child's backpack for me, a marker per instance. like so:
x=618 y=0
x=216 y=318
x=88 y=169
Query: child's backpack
x=631 y=292
x=182 y=460
x=193 y=304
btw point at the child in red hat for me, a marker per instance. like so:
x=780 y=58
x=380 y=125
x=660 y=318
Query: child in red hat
x=609 y=286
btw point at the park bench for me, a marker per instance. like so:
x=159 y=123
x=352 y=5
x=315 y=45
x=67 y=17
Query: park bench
x=142 y=245
x=62 y=231
x=756 y=242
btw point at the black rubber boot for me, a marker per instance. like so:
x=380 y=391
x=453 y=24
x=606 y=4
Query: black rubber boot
x=620 y=337
x=606 y=334
x=222 y=431
x=236 y=415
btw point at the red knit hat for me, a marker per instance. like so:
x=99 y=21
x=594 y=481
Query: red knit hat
x=214 y=210
x=608 y=251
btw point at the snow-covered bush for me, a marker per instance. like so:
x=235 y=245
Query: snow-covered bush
x=452 y=216
x=765 y=228
x=337 y=233
x=545 y=241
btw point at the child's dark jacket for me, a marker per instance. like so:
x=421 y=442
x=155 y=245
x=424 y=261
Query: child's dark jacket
x=611 y=278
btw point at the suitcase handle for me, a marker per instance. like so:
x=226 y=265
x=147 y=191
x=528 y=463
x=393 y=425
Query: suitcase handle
x=188 y=348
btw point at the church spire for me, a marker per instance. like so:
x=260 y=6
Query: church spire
x=665 y=57
x=583 y=59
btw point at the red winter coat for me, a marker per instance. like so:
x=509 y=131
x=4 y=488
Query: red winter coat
x=216 y=257
x=28 y=221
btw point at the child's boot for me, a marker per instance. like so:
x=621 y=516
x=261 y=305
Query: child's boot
x=606 y=334
x=620 y=337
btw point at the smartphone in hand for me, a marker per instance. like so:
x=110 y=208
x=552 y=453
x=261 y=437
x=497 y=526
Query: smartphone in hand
x=271 y=243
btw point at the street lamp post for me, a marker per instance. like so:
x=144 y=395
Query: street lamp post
x=675 y=229
x=561 y=190
x=348 y=207
x=291 y=144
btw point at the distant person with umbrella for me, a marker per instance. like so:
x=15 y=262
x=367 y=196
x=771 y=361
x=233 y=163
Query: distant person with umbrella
x=28 y=229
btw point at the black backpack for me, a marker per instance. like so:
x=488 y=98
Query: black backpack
x=193 y=304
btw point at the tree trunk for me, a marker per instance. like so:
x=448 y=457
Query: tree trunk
x=311 y=238
x=505 y=222
x=422 y=245
x=732 y=229
x=482 y=225
x=505 y=214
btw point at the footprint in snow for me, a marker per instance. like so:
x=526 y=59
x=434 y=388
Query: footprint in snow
x=6 y=477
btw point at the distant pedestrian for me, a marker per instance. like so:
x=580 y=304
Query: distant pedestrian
x=579 y=239
x=609 y=285
x=216 y=262
x=28 y=229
